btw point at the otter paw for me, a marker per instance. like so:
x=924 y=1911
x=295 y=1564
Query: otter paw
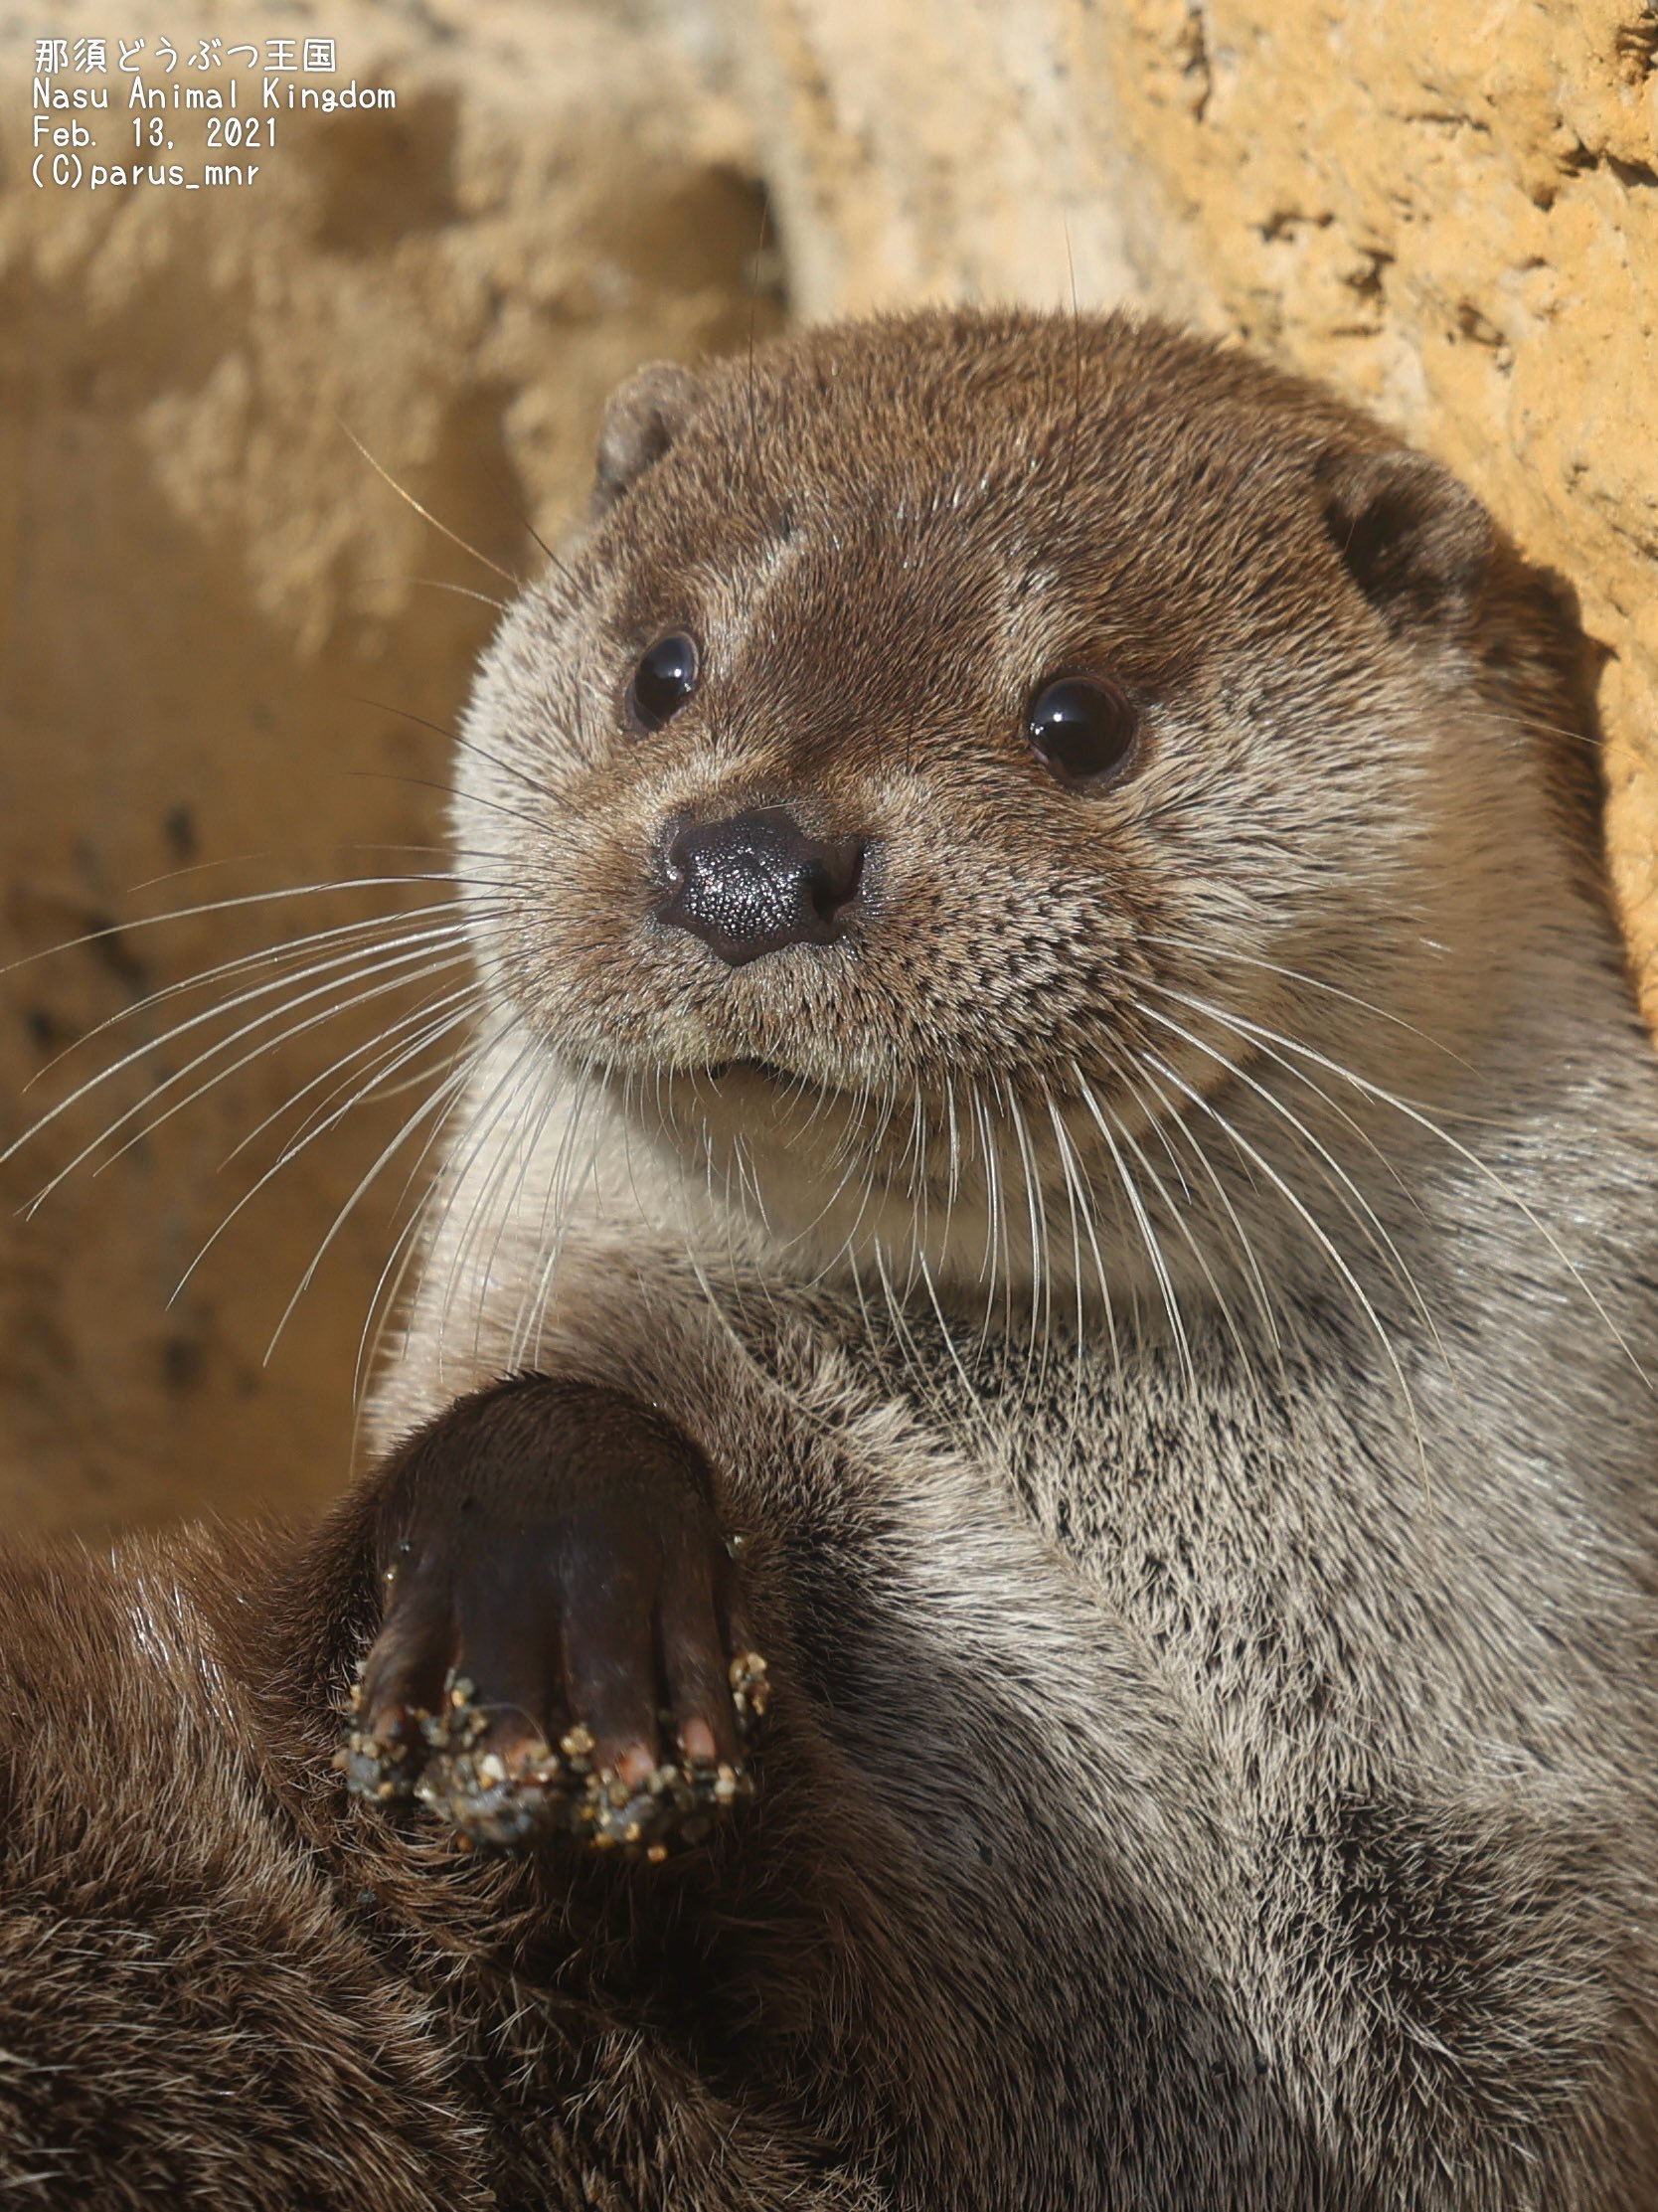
x=562 y=1650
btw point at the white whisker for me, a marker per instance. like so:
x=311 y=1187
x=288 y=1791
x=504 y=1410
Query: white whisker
x=446 y=1087
x=401 y=959
x=437 y=1011
x=1354 y=1288
x=1136 y=1206
x=1348 y=1193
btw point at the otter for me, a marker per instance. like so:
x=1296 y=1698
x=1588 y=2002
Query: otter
x=1012 y=1559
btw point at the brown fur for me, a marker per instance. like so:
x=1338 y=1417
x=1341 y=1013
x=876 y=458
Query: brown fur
x=1166 y=1300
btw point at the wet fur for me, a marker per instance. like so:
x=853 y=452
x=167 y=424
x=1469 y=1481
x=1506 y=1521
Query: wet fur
x=1213 y=1761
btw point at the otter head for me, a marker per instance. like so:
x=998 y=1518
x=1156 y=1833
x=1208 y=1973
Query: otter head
x=954 y=746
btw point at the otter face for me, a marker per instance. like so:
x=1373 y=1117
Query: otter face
x=945 y=732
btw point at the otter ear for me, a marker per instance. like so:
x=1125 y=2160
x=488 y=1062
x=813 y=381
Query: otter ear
x=1415 y=541
x=643 y=419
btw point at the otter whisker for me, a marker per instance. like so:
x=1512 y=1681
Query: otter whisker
x=992 y=1178
x=1081 y=1198
x=463 y=1153
x=914 y=1163
x=628 y=1127
x=954 y=1183
x=1257 y=1034
x=441 y=583
x=384 y=1301
x=402 y=960
x=984 y=1149
x=503 y=1134
x=445 y=790
x=1374 y=1228
x=436 y=1104
x=854 y=1164
x=1355 y=1288
x=291 y=1153
x=458 y=737
x=559 y=1206
x=1247 y=1250
x=557 y=1210
x=912 y=1167
x=409 y=979
x=1154 y=1125
x=1178 y=1215
x=1533 y=725
x=1312 y=983
x=860 y=1158
x=1136 y=1206
x=976 y=1402
x=358 y=937
x=1349 y=1120
x=926 y=1386
x=1041 y=1288
x=734 y=1162
x=914 y=1158
x=425 y=514
x=265 y=957
x=570 y=1188
x=375 y=1083
x=1078 y=1288
x=486 y=1122
x=529 y=1129
x=467 y=997
x=852 y=1143
x=1347 y=1191
x=747 y=1179
x=226 y=906
x=863 y=1151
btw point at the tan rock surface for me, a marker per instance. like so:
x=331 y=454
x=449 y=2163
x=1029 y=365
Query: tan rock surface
x=1447 y=209
x=201 y=584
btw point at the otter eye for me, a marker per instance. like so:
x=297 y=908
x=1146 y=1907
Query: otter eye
x=664 y=679
x=1081 y=728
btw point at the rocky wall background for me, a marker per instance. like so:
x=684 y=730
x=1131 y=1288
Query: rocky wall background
x=229 y=646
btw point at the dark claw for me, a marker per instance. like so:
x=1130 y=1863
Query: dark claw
x=450 y=1764
x=555 y=1563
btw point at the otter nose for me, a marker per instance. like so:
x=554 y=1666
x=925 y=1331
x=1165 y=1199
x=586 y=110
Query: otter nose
x=758 y=883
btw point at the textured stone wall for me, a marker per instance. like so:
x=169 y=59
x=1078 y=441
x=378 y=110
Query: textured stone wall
x=202 y=582
x=1448 y=209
